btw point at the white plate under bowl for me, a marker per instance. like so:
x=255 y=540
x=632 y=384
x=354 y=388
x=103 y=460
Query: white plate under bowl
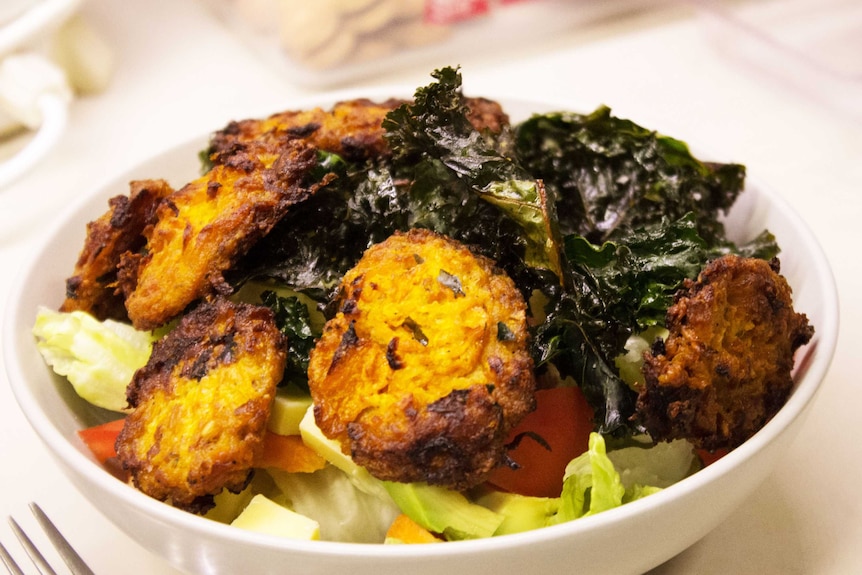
x=630 y=539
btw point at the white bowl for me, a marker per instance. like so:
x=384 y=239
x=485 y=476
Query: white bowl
x=630 y=539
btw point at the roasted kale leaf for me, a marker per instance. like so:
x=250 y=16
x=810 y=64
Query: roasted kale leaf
x=463 y=181
x=293 y=320
x=611 y=176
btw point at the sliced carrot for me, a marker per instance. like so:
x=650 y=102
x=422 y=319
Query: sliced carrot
x=289 y=453
x=405 y=530
x=545 y=442
x=101 y=439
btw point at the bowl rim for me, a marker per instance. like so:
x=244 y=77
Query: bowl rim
x=811 y=367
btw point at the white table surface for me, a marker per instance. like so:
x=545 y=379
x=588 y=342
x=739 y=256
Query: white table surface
x=180 y=73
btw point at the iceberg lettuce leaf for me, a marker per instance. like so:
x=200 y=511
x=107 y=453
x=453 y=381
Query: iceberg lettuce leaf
x=592 y=484
x=98 y=358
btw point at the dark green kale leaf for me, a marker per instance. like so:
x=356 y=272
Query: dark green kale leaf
x=528 y=204
x=562 y=341
x=294 y=321
x=617 y=288
x=611 y=175
x=764 y=246
x=627 y=285
x=435 y=125
x=314 y=245
x=632 y=280
x=464 y=183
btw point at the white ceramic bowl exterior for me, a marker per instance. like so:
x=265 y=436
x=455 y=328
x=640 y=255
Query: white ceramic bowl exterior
x=629 y=539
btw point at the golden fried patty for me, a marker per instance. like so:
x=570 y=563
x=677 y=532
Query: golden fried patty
x=725 y=369
x=424 y=370
x=202 y=229
x=201 y=403
x=485 y=114
x=93 y=286
x=351 y=128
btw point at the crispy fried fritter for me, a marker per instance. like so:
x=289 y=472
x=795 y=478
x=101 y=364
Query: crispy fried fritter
x=425 y=369
x=201 y=403
x=486 y=114
x=725 y=369
x=204 y=227
x=93 y=286
x=352 y=128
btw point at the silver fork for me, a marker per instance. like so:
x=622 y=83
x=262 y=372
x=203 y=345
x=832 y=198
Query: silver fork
x=70 y=556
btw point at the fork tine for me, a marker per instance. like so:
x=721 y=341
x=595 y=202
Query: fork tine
x=31 y=549
x=67 y=552
x=9 y=562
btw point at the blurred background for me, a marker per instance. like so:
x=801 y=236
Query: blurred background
x=73 y=49
x=62 y=57
x=90 y=88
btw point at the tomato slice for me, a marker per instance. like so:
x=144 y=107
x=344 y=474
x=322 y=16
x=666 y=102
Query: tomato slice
x=710 y=457
x=101 y=439
x=545 y=442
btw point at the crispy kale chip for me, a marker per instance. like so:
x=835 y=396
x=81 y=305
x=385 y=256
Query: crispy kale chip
x=436 y=126
x=611 y=175
x=294 y=321
x=465 y=181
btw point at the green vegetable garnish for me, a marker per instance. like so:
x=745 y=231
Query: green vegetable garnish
x=98 y=358
x=294 y=321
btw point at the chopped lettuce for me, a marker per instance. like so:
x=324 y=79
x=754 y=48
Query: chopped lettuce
x=343 y=512
x=631 y=361
x=442 y=510
x=659 y=465
x=592 y=484
x=98 y=358
x=435 y=508
x=520 y=512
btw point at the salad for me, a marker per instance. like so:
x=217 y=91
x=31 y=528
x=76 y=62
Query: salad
x=416 y=321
